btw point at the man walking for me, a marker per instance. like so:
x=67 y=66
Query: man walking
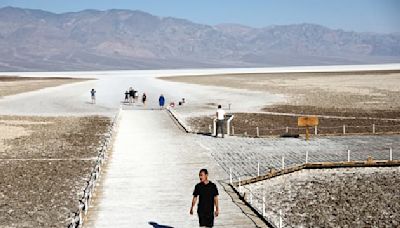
x=220 y=121
x=207 y=193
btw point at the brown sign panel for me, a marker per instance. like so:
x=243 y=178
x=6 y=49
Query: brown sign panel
x=307 y=121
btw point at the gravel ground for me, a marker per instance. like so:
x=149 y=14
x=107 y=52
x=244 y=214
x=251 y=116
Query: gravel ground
x=275 y=124
x=44 y=170
x=351 y=197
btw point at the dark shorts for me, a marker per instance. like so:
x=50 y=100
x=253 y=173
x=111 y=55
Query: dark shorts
x=206 y=220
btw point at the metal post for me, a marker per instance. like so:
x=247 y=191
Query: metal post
x=215 y=127
x=373 y=128
x=210 y=128
x=348 y=155
x=287 y=129
x=344 y=129
x=283 y=162
x=316 y=130
x=230 y=176
x=390 y=154
x=258 y=131
x=306 y=156
x=240 y=189
x=80 y=218
x=263 y=206
x=228 y=125
x=233 y=130
x=280 y=219
x=258 y=169
x=251 y=196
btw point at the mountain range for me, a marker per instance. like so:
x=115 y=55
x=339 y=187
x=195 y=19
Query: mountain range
x=36 y=40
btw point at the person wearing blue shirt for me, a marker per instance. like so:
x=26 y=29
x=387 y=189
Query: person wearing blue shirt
x=161 y=101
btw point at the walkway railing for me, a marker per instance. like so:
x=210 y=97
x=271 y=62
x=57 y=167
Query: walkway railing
x=318 y=130
x=77 y=217
x=241 y=183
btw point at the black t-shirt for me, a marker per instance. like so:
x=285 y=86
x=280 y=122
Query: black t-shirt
x=206 y=193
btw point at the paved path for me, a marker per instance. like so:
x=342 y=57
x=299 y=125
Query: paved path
x=151 y=175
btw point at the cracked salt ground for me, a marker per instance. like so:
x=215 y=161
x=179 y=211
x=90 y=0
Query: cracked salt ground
x=151 y=175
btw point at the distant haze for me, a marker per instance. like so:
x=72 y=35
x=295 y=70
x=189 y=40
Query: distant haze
x=34 y=40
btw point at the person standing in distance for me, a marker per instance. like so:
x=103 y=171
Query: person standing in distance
x=161 y=101
x=207 y=192
x=220 y=121
x=93 y=95
x=144 y=98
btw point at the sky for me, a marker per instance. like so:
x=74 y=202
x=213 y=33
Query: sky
x=381 y=16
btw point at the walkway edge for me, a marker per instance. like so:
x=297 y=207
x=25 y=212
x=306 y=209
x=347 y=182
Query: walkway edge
x=179 y=121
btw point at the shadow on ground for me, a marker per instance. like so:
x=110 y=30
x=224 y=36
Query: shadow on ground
x=156 y=225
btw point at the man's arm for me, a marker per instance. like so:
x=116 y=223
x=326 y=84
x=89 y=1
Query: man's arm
x=216 y=206
x=194 y=200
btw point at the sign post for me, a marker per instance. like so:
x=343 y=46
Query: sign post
x=307 y=121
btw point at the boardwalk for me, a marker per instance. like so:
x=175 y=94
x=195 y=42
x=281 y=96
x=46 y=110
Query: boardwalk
x=151 y=174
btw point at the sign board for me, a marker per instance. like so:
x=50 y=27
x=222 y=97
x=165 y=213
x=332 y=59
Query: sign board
x=307 y=121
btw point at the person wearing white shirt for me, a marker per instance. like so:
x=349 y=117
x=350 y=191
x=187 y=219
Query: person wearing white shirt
x=220 y=121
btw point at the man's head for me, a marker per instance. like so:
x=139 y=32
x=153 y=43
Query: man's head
x=219 y=106
x=203 y=175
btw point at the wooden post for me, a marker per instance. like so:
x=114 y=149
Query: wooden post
x=344 y=129
x=280 y=219
x=233 y=130
x=283 y=162
x=316 y=130
x=307 y=134
x=390 y=154
x=258 y=132
x=210 y=128
x=373 y=128
x=287 y=129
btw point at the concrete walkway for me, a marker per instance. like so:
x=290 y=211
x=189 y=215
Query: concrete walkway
x=151 y=174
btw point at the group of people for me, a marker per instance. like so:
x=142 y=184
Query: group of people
x=132 y=96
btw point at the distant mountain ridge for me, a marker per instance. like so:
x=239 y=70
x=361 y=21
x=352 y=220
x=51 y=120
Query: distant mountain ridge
x=36 y=40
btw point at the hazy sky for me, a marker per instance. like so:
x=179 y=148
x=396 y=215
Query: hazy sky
x=359 y=15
